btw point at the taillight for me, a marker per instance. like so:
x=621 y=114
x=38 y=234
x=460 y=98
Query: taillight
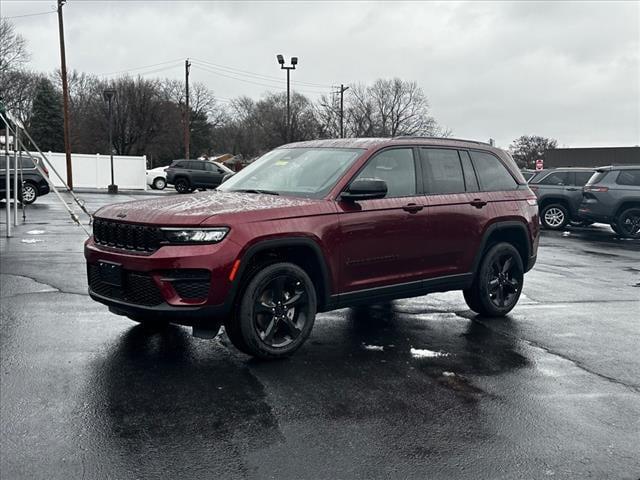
x=44 y=169
x=595 y=188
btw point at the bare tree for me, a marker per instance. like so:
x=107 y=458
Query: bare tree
x=13 y=47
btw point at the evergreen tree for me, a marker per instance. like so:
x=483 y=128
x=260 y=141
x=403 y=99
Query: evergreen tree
x=46 y=125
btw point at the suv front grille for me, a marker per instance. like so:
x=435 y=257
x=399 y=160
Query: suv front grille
x=137 y=288
x=126 y=235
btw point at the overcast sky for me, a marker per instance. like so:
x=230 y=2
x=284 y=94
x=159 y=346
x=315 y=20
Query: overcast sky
x=570 y=71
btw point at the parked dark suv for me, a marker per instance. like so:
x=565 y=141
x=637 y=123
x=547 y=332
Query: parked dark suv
x=612 y=196
x=316 y=226
x=189 y=175
x=559 y=193
x=34 y=184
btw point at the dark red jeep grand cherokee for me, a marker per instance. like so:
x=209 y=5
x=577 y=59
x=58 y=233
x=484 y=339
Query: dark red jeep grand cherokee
x=316 y=226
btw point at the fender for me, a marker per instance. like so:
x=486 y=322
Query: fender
x=494 y=227
x=295 y=241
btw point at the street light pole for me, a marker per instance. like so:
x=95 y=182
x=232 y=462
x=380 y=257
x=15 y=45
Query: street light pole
x=294 y=62
x=108 y=95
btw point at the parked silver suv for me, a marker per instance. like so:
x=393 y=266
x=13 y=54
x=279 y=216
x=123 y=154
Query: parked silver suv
x=612 y=195
x=559 y=193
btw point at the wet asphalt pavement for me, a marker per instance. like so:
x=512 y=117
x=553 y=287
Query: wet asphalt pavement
x=415 y=389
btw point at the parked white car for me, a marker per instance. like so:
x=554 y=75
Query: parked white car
x=157 y=178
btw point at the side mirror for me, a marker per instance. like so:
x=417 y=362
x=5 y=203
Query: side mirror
x=365 y=189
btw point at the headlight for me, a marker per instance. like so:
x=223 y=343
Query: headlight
x=194 y=235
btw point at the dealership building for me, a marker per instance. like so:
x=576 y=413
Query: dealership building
x=591 y=157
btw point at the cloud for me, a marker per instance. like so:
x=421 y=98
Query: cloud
x=567 y=70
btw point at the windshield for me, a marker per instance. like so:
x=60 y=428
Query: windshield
x=307 y=172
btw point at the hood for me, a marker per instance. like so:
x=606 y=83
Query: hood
x=183 y=210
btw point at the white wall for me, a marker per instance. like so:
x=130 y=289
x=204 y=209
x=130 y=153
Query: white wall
x=94 y=171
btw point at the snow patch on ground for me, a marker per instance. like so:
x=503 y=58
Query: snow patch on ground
x=424 y=353
x=31 y=240
x=35 y=232
x=373 y=348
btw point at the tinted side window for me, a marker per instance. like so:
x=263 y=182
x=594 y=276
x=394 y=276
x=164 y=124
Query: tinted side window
x=196 y=165
x=210 y=167
x=556 y=178
x=470 y=180
x=582 y=178
x=442 y=171
x=629 y=177
x=492 y=174
x=396 y=168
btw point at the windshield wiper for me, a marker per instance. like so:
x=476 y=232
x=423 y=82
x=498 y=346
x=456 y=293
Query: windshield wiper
x=255 y=190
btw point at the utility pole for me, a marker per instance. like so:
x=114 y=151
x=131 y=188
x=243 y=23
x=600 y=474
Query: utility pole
x=294 y=62
x=65 y=95
x=187 y=137
x=342 y=90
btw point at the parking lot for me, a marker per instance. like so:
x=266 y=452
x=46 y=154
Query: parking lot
x=417 y=388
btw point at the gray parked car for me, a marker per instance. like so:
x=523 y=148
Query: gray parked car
x=559 y=193
x=612 y=195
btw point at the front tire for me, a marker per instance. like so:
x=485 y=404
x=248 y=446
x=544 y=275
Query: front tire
x=498 y=283
x=276 y=312
x=554 y=216
x=628 y=223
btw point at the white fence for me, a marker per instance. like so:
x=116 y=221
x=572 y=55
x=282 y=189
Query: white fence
x=94 y=171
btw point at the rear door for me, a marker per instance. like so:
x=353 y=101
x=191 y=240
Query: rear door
x=455 y=211
x=214 y=174
x=384 y=240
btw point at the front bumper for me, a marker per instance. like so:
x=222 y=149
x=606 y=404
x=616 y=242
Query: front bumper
x=151 y=285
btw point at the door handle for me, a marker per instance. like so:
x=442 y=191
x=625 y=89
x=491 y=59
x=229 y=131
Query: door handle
x=572 y=189
x=478 y=203
x=412 y=208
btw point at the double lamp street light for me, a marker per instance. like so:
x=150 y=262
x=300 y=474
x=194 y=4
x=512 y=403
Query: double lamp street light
x=294 y=62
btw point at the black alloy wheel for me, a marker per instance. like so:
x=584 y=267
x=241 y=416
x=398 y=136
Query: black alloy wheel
x=182 y=185
x=276 y=313
x=629 y=223
x=498 y=283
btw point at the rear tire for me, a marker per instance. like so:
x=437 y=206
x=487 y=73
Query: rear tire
x=498 y=283
x=159 y=183
x=628 y=223
x=554 y=216
x=276 y=312
x=182 y=185
x=29 y=193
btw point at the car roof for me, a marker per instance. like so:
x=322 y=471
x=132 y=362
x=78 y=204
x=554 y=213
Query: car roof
x=376 y=142
x=618 y=167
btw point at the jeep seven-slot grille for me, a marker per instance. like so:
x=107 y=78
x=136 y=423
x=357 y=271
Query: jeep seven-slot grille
x=137 y=288
x=126 y=236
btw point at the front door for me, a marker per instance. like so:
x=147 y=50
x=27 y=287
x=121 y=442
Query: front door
x=383 y=239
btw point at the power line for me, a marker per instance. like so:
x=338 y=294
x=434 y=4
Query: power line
x=256 y=75
x=240 y=79
x=30 y=15
x=139 y=68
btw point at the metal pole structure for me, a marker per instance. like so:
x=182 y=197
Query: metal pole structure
x=7 y=178
x=15 y=175
x=294 y=62
x=342 y=90
x=65 y=95
x=187 y=113
x=108 y=95
x=288 y=109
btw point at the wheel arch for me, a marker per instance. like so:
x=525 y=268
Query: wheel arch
x=626 y=203
x=301 y=251
x=513 y=232
x=549 y=200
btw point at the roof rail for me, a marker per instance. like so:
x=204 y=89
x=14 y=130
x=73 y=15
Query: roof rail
x=419 y=137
